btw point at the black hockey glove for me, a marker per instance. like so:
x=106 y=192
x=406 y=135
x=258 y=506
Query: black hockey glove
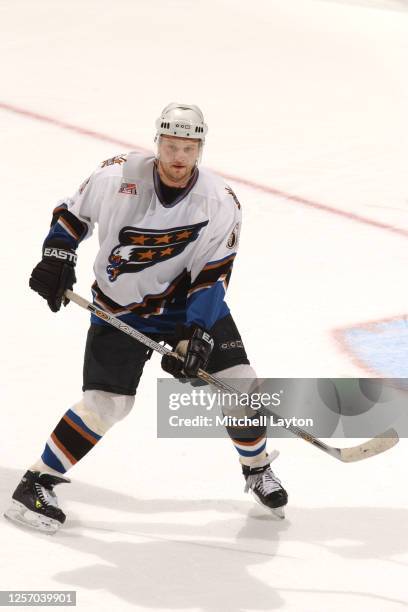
x=55 y=273
x=195 y=351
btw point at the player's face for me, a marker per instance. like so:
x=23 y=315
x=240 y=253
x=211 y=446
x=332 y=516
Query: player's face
x=177 y=158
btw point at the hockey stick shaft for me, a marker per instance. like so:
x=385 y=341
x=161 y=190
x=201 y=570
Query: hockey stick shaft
x=372 y=447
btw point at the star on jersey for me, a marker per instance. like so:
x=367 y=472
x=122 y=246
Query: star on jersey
x=140 y=248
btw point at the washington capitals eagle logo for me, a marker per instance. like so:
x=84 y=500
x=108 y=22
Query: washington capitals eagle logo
x=141 y=248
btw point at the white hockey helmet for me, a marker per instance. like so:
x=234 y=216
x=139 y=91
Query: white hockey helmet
x=181 y=120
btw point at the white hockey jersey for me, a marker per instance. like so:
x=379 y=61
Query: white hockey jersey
x=157 y=264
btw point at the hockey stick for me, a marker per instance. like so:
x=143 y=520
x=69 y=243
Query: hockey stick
x=372 y=447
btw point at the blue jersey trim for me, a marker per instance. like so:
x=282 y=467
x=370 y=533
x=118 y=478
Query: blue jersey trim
x=161 y=325
x=206 y=306
x=59 y=232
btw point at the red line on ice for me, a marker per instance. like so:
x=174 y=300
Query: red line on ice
x=264 y=188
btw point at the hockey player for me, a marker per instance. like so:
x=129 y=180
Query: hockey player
x=168 y=235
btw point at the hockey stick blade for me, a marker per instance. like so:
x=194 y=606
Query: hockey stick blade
x=372 y=447
x=375 y=446
x=381 y=443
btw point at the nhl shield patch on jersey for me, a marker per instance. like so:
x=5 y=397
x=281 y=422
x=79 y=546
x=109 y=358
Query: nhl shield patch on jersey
x=140 y=248
x=128 y=188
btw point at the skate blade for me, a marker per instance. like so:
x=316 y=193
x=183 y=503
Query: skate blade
x=278 y=513
x=18 y=513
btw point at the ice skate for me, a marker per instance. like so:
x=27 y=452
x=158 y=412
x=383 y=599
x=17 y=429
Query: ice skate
x=265 y=486
x=35 y=504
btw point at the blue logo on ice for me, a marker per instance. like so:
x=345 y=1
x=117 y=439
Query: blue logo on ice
x=381 y=346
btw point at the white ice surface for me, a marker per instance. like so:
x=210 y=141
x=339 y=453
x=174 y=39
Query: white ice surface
x=306 y=97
